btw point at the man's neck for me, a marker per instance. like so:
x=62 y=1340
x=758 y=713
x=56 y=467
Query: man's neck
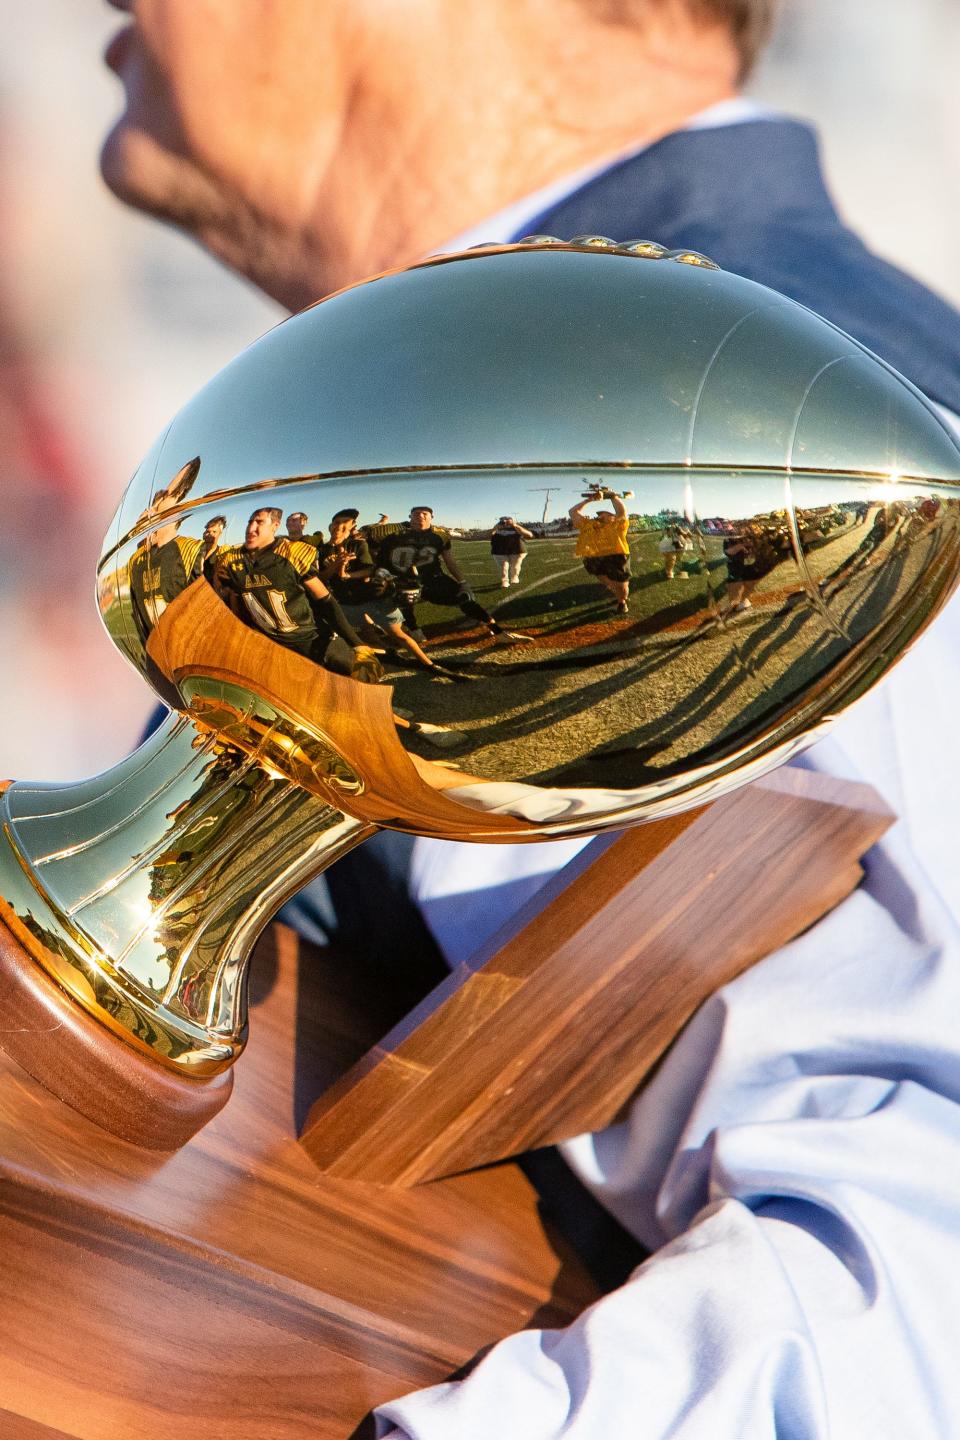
x=521 y=126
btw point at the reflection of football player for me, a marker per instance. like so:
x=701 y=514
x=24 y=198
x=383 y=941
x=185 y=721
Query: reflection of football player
x=367 y=595
x=297 y=528
x=602 y=545
x=273 y=584
x=212 y=533
x=177 y=489
x=423 y=561
x=161 y=568
x=376 y=531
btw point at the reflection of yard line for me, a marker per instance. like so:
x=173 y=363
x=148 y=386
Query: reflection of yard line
x=558 y=575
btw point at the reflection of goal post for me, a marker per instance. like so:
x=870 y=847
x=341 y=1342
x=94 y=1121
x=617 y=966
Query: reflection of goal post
x=546 y=491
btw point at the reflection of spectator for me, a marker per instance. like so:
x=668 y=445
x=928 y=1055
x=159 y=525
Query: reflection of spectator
x=508 y=549
x=212 y=534
x=274 y=585
x=423 y=561
x=675 y=542
x=750 y=554
x=602 y=545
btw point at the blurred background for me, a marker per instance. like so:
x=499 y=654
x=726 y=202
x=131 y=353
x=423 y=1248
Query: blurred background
x=108 y=323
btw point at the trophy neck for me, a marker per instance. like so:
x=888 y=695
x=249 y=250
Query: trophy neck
x=142 y=891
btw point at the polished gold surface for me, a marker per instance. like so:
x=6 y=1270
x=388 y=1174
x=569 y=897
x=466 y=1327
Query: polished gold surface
x=788 y=521
x=527 y=542
x=143 y=890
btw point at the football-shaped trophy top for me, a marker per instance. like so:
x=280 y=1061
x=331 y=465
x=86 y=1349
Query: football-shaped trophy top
x=535 y=540
x=531 y=541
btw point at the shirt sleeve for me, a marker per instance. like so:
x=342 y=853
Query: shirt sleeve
x=795 y=1164
x=305 y=560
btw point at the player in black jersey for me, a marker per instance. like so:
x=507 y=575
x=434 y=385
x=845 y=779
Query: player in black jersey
x=297 y=528
x=273 y=584
x=346 y=566
x=422 y=559
x=212 y=533
x=162 y=566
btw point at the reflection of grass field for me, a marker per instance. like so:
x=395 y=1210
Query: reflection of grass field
x=556 y=592
x=671 y=680
x=642 y=695
x=112 y=618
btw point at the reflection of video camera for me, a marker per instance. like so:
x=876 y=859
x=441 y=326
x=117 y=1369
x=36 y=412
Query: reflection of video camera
x=603 y=492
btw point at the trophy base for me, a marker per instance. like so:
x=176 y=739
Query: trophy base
x=231 y=1291
x=80 y=1062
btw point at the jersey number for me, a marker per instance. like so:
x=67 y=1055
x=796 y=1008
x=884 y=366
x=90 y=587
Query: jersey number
x=154 y=604
x=278 y=620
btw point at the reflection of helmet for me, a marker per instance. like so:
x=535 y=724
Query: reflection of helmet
x=721 y=391
x=382 y=583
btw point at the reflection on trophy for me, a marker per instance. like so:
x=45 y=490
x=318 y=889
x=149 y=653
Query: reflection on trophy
x=805 y=495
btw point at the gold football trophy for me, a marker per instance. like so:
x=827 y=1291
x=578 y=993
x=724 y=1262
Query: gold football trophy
x=754 y=516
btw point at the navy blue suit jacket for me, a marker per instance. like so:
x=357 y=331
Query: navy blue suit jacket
x=752 y=197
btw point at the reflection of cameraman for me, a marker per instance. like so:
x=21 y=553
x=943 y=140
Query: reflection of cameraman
x=602 y=543
x=508 y=549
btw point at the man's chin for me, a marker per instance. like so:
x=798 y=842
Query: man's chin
x=141 y=173
x=172 y=186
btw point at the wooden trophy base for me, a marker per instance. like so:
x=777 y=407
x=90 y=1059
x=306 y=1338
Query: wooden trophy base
x=549 y=1030
x=236 y=1289
x=230 y=1290
x=92 y=1071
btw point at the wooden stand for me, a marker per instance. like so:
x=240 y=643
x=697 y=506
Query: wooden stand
x=233 y=1290
x=95 y=1072
x=230 y=1292
x=550 y=1029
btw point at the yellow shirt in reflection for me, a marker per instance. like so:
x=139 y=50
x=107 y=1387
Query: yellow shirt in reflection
x=599 y=535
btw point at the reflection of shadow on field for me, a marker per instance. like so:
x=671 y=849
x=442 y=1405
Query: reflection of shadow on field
x=556 y=707
x=532 y=603
x=585 y=602
x=871 y=599
x=544 y=706
x=697 y=693
x=634 y=750
x=652 y=577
